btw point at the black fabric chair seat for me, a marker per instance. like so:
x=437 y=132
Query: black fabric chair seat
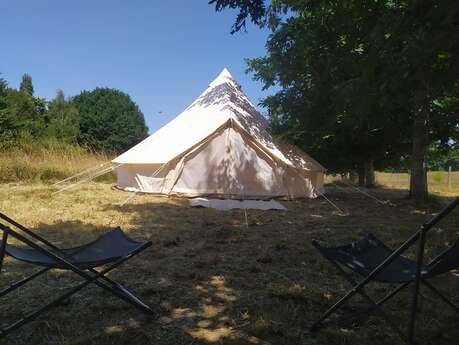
x=364 y=255
x=107 y=248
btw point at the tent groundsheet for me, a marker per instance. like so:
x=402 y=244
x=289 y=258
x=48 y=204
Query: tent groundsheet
x=229 y=204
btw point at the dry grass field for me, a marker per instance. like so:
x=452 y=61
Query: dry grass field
x=213 y=280
x=47 y=162
x=437 y=181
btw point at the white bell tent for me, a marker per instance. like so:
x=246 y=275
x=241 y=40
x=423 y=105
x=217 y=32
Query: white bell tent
x=219 y=147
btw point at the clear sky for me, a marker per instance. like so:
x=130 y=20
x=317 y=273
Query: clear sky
x=162 y=53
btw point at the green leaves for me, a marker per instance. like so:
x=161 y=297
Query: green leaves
x=20 y=114
x=255 y=9
x=63 y=119
x=109 y=120
x=102 y=120
x=26 y=84
x=349 y=73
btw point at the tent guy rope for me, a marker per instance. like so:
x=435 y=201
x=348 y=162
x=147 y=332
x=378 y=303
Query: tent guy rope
x=87 y=171
x=329 y=201
x=362 y=192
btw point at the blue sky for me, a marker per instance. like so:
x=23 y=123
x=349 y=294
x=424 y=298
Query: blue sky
x=162 y=53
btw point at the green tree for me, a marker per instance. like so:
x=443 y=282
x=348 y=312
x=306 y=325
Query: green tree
x=22 y=116
x=429 y=62
x=3 y=86
x=6 y=123
x=26 y=84
x=359 y=77
x=3 y=89
x=109 y=120
x=63 y=119
x=442 y=160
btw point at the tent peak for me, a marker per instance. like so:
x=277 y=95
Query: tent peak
x=224 y=100
x=224 y=77
x=225 y=73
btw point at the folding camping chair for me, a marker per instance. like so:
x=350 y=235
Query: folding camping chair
x=113 y=247
x=373 y=260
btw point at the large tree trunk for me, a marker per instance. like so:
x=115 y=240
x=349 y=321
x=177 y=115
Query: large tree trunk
x=361 y=173
x=418 y=177
x=369 y=173
x=353 y=176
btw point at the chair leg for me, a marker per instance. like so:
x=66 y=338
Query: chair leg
x=3 y=247
x=20 y=283
x=135 y=299
x=387 y=261
x=392 y=293
x=441 y=296
x=29 y=317
x=117 y=288
x=417 y=284
x=355 y=286
x=359 y=288
x=69 y=266
x=413 y=314
x=99 y=279
x=377 y=306
x=316 y=325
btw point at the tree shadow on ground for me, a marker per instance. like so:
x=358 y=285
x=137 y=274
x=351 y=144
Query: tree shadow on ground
x=270 y=266
x=213 y=279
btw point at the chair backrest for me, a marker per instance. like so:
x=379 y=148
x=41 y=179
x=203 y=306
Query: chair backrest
x=447 y=260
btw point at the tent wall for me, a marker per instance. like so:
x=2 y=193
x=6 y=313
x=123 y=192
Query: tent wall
x=227 y=165
x=220 y=146
x=317 y=180
x=136 y=176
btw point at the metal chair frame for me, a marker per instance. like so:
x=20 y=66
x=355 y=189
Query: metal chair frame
x=90 y=275
x=358 y=287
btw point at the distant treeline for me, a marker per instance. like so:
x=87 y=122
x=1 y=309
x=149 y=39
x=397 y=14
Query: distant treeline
x=102 y=120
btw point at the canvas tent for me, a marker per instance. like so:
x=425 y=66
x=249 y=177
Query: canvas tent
x=219 y=147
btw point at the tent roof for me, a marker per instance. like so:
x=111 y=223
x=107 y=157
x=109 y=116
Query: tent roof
x=221 y=101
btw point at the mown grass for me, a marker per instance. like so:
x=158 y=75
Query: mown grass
x=440 y=183
x=437 y=181
x=48 y=161
x=213 y=280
